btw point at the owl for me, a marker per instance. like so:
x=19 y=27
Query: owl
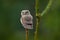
x=26 y=19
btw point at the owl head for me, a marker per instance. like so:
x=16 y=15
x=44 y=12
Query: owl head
x=25 y=12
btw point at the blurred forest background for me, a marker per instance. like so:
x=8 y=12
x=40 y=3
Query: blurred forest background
x=11 y=28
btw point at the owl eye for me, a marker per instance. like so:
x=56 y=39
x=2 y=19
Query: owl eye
x=27 y=12
x=23 y=12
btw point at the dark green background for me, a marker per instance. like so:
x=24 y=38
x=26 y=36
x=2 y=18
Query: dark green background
x=11 y=28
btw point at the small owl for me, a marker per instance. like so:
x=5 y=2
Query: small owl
x=26 y=19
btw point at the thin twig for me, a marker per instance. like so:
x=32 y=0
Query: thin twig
x=47 y=7
x=26 y=34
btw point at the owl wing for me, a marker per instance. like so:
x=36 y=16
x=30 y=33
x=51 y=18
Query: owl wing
x=22 y=20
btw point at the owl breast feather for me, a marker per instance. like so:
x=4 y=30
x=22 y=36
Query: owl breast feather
x=28 y=18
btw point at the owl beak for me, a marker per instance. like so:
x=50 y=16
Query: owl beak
x=29 y=24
